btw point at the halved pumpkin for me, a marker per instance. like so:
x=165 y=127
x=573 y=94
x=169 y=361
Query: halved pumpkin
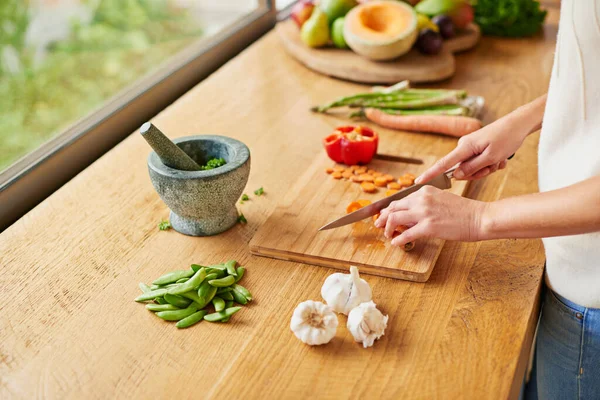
x=381 y=29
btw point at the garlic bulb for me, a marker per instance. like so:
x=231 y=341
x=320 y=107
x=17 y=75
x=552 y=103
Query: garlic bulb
x=343 y=292
x=314 y=323
x=366 y=323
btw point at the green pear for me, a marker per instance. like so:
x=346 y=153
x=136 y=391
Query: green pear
x=315 y=31
x=336 y=8
x=337 y=33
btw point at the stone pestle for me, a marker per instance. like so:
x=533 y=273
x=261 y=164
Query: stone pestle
x=169 y=153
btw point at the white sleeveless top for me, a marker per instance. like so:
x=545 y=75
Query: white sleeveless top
x=569 y=149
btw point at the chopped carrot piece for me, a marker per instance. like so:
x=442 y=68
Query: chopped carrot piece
x=336 y=175
x=328 y=170
x=364 y=203
x=389 y=178
x=347 y=174
x=368 y=187
x=356 y=178
x=380 y=181
x=339 y=169
x=366 y=178
x=371 y=171
x=394 y=186
x=357 y=205
x=409 y=175
x=405 y=182
x=360 y=170
x=390 y=192
x=354 y=167
x=375 y=217
x=377 y=174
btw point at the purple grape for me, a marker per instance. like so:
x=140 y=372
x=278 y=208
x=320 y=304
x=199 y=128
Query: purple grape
x=445 y=24
x=429 y=42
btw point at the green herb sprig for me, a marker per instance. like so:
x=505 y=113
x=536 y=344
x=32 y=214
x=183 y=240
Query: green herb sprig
x=164 y=225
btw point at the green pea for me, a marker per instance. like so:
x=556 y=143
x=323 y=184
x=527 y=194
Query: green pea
x=223 y=282
x=177 y=301
x=160 y=300
x=161 y=307
x=225 y=295
x=219 y=304
x=238 y=297
x=230 y=265
x=240 y=273
x=196 y=267
x=192 y=284
x=219 y=316
x=177 y=315
x=182 y=280
x=243 y=291
x=192 y=319
x=173 y=276
x=151 y=295
x=144 y=288
x=206 y=292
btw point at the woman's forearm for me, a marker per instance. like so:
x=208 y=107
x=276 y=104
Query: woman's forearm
x=568 y=211
x=529 y=115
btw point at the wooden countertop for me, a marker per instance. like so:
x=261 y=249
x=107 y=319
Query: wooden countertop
x=69 y=269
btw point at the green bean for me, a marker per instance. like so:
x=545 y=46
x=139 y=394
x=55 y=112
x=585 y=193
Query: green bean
x=230 y=265
x=225 y=295
x=151 y=295
x=177 y=315
x=223 y=282
x=240 y=273
x=192 y=319
x=206 y=292
x=161 y=307
x=182 y=280
x=224 y=289
x=196 y=267
x=173 y=276
x=219 y=316
x=219 y=304
x=144 y=288
x=177 y=301
x=192 y=284
x=238 y=297
x=243 y=291
x=160 y=300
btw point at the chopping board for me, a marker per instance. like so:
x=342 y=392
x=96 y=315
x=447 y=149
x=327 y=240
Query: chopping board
x=291 y=232
x=346 y=64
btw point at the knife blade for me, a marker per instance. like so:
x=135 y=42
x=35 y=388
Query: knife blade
x=441 y=181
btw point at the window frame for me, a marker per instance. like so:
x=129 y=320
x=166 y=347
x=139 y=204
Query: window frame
x=37 y=175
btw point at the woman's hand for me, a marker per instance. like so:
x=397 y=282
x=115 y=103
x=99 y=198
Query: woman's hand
x=431 y=212
x=486 y=150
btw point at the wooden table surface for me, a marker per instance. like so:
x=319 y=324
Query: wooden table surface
x=69 y=269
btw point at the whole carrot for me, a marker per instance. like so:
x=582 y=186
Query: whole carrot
x=446 y=124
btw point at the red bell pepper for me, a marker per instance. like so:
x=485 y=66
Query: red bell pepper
x=351 y=145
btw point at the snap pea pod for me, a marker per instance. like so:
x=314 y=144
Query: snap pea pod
x=192 y=284
x=177 y=301
x=177 y=315
x=160 y=300
x=218 y=272
x=206 y=292
x=196 y=267
x=151 y=295
x=239 y=298
x=240 y=273
x=225 y=295
x=219 y=267
x=210 y=276
x=154 y=287
x=219 y=304
x=161 y=307
x=223 y=282
x=224 y=289
x=221 y=315
x=182 y=280
x=192 y=319
x=228 y=304
x=173 y=276
x=144 y=288
x=230 y=266
x=243 y=291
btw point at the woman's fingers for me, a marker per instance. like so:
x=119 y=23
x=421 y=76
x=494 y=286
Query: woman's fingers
x=482 y=173
x=395 y=220
x=397 y=205
x=457 y=155
x=410 y=235
x=502 y=164
x=472 y=166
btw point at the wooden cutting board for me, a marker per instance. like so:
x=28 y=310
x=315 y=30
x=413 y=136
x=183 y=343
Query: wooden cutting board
x=291 y=232
x=346 y=64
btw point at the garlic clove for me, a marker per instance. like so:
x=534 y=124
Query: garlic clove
x=366 y=323
x=343 y=292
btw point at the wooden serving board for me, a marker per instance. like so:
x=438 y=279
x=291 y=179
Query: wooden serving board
x=346 y=64
x=291 y=232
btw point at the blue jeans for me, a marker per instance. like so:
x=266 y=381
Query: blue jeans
x=567 y=354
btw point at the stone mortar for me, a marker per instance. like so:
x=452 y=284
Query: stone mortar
x=203 y=203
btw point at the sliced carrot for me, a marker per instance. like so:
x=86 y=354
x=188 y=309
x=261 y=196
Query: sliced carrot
x=371 y=171
x=366 y=178
x=394 y=186
x=339 y=169
x=364 y=203
x=368 y=187
x=357 y=205
x=389 y=178
x=377 y=174
x=409 y=175
x=380 y=181
x=406 y=182
x=356 y=178
x=354 y=167
x=347 y=174
x=390 y=192
x=328 y=170
x=375 y=217
x=360 y=170
x=446 y=124
x=336 y=175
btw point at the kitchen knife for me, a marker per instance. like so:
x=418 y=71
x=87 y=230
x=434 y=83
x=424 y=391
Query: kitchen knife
x=441 y=181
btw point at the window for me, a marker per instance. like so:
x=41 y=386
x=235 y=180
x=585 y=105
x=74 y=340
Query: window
x=68 y=67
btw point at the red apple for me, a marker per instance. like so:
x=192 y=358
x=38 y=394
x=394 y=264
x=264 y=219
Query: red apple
x=463 y=15
x=302 y=11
